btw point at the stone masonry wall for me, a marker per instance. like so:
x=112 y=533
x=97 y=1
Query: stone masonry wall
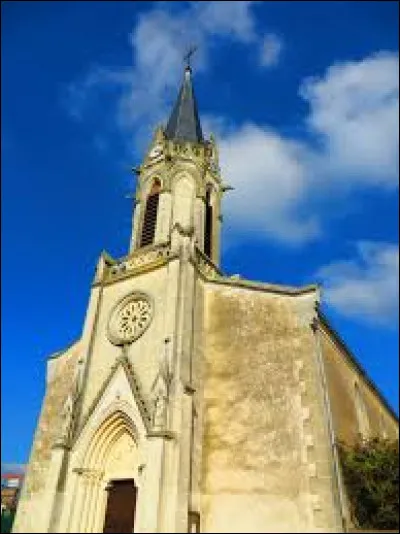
x=341 y=377
x=49 y=424
x=265 y=461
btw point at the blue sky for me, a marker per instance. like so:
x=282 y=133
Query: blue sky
x=303 y=100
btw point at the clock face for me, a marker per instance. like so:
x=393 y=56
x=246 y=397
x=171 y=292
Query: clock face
x=130 y=319
x=155 y=151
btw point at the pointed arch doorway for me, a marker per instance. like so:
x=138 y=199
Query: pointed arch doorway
x=121 y=505
x=108 y=488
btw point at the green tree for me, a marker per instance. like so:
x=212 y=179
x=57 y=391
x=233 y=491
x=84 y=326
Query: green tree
x=371 y=476
x=7 y=518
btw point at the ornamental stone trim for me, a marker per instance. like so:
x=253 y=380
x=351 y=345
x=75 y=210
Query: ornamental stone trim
x=206 y=266
x=130 y=318
x=144 y=258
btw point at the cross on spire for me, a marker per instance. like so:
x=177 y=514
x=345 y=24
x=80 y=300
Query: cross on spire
x=184 y=122
x=189 y=54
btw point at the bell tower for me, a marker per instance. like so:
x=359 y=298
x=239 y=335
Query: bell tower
x=121 y=422
x=179 y=182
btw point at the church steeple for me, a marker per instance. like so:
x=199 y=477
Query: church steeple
x=179 y=183
x=184 y=122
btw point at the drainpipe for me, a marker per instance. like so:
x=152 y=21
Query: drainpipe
x=335 y=454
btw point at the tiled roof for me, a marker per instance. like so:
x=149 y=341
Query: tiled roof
x=184 y=122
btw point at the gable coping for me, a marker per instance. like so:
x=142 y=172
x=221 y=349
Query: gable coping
x=121 y=361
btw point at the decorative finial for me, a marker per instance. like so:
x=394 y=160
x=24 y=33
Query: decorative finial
x=188 y=55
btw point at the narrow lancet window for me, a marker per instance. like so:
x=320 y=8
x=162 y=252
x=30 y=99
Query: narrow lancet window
x=208 y=225
x=362 y=414
x=150 y=215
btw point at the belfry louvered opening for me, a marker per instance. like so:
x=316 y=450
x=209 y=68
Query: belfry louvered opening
x=150 y=215
x=208 y=225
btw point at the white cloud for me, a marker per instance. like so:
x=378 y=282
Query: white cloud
x=78 y=93
x=270 y=179
x=159 y=41
x=352 y=119
x=227 y=18
x=366 y=287
x=354 y=109
x=270 y=50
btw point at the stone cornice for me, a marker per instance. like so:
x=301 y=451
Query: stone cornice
x=165 y=434
x=203 y=155
x=61 y=352
x=269 y=288
x=211 y=273
x=141 y=260
x=152 y=257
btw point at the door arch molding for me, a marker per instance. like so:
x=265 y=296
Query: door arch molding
x=112 y=452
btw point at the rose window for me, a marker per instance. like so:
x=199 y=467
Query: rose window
x=130 y=319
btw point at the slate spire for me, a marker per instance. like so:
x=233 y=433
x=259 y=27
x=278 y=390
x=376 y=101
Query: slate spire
x=184 y=122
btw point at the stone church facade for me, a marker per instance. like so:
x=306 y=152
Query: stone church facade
x=194 y=401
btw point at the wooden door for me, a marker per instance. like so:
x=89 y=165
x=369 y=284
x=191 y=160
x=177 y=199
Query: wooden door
x=120 y=510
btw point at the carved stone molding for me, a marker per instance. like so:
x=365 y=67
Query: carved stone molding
x=206 y=266
x=130 y=318
x=161 y=391
x=142 y=258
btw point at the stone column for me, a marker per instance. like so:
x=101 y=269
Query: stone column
x=78 y=508
x=72 y=487
x=135 y=225
x=176 y=483
x=87 y=518
x=163 y=217
x=95 y=512
x=199 y=209
x=101 y=506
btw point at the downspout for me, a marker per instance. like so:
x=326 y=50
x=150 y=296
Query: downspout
x=193 y=391
x=336 y=464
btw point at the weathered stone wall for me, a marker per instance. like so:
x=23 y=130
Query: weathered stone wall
x=60 y=379
x=266 y=464
x=144 y=353
x=342 y=374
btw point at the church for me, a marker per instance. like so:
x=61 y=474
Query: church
x=195 y=401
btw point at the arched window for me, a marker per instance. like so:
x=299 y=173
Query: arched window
x=208 y=224
x=150 y=215
x=382 y=426
x=361 y=410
